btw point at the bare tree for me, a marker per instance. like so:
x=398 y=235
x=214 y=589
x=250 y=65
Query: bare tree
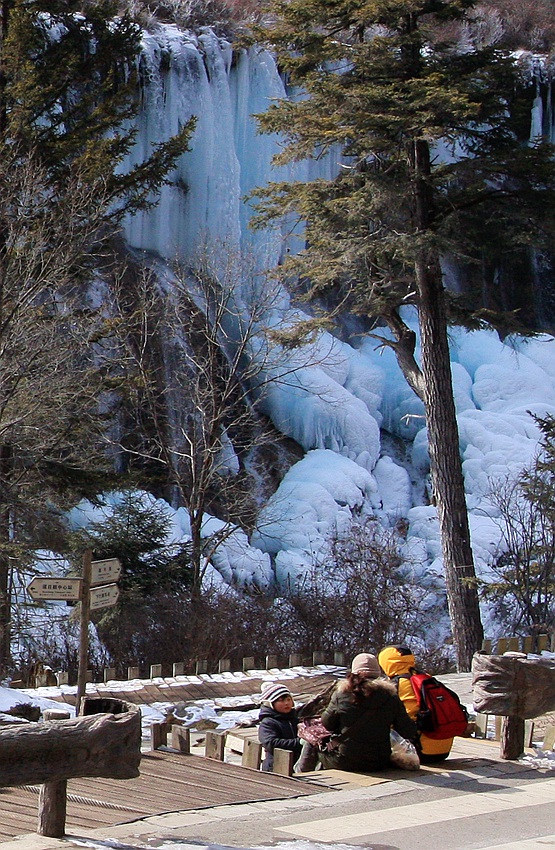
x=201 y=358
x=50 y=430
x=365 y=595
x=522 y=585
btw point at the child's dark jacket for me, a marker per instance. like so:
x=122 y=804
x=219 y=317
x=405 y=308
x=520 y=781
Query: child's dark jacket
x=278 y=730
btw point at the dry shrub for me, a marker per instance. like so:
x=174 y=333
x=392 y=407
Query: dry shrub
x=224 y=16
x=527 y=24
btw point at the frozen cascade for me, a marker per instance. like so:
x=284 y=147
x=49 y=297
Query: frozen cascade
x=337 y=396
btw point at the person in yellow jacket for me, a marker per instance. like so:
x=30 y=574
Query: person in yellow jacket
x=399 y=661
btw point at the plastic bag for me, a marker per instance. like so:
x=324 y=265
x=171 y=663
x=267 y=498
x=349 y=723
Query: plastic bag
x=403 y=753
x=312 y=729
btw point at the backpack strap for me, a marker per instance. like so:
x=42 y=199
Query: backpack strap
x=400 y=676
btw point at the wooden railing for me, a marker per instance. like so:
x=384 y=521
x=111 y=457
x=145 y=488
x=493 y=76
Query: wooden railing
x=45 y=677
x=103 y=742
x=530 y=643
x=198 y=668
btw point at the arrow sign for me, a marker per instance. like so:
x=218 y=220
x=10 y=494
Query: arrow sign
x=106 y=571
x=54 y=588
x=104 y=597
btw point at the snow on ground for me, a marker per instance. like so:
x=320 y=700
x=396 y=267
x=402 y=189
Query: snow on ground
x=11 y=697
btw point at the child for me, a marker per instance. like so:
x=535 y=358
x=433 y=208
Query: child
x=278 y=723
x=398 y=663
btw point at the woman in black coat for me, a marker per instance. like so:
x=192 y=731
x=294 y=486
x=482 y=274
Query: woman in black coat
x=363 y=710
x=278 y=723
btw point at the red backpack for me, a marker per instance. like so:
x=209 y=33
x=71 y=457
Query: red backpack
x=441 y=714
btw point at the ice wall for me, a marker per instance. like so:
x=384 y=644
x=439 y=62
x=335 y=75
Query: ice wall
x=185 y=74
x=331 y=397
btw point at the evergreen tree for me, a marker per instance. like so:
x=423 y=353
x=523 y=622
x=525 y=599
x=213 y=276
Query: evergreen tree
x=150 y=617
x=68 y=97
x=433 y=164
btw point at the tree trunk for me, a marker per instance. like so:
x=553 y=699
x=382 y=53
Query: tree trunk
x=443 y=434
x=5 y=565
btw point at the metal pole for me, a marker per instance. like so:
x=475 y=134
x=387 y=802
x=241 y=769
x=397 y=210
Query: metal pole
x=84 y=629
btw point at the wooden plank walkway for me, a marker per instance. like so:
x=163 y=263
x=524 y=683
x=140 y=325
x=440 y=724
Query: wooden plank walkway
x=169 y=782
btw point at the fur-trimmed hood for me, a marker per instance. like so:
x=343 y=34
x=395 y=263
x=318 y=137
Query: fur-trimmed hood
x=369 y=686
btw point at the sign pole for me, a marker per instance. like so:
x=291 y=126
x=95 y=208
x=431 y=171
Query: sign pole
x=84 y=629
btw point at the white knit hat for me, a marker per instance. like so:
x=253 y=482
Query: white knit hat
x=366 y=665
x=272 y=691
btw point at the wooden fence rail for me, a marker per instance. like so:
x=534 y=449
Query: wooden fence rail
x=44 y=676
x=105 y=743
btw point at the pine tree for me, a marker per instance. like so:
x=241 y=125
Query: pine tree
x=68 y=97
x=384 y=85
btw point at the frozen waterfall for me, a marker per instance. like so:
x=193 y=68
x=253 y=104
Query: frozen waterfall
x=338 y=397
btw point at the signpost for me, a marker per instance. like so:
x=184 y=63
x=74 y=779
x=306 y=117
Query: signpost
x=103 y=597
x=95 y=589
x=54 y=588
x=103 y=572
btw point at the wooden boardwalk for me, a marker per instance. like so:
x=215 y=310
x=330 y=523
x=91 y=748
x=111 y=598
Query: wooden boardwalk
x=169 y=782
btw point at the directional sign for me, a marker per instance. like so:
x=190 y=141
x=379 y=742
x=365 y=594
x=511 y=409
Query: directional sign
x=54 y=588
x=104 y=597
x=106 y=571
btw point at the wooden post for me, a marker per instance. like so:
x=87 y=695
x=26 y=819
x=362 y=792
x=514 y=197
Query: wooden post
x=158 y=735
x=528 y=732
x=512 y=737
x=181 y=739
x=283 y=762
x=481 y=726
x=52 y=808
x=55 y=714
x=53 y=795
x=549 y=738
x=528 y=644
x=543 y=642
x=215 y=746
x=252 y=754
x=84 y=617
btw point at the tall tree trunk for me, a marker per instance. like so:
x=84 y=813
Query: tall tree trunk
x=443 y=434
x=5 y=566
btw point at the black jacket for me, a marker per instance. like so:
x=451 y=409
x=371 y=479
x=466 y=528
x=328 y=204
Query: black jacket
x=368 y=746
x=278 y=730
